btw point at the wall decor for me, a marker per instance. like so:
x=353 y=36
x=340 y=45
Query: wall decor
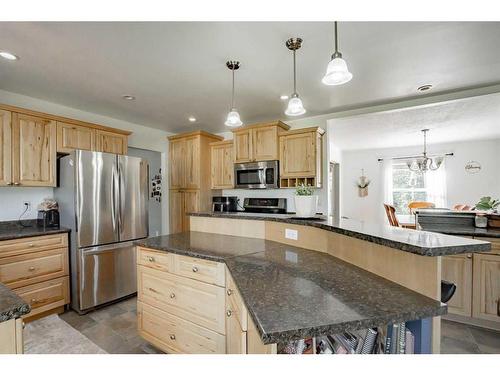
x=473 y=167
x=362 y=184
x=156 y=186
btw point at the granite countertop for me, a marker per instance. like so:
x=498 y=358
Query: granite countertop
x=409 y=240
x=10 y=230
x=462 y=230
x=11 y=305
x=294 y=293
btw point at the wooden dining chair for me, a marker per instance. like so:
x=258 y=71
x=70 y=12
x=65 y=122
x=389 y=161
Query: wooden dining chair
x=419 y=204
x=390 y=211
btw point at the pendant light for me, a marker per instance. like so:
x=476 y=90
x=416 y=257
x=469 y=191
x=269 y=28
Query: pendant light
x=336 y=72
x=295 y=106
x=424 y=163
x=233 y=117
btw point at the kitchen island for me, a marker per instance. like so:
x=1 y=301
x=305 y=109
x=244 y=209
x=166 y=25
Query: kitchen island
x=12 y=308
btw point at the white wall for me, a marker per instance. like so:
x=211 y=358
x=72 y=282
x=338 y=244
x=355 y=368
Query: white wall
x=462 y=187
x=12 y=198
x=141 y=137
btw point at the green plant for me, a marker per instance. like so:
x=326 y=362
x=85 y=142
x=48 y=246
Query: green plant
x=304 y=189
x=363 y=184
x=486 y=204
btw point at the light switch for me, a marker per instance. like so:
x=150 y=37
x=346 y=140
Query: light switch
x=291 y=234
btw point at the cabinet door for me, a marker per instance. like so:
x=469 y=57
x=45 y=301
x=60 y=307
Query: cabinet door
x=265 y=143
x=298 y=155
x=191 y=204
x=5 y=148
x=74 y=137
x=243 y=146
x=112 y=143
x=236 y=338
x=176 y=209
x=222 y=166
x=458 y=269
x=34 y=151
x=192 y=164
x=177 y=159
x=486 y=287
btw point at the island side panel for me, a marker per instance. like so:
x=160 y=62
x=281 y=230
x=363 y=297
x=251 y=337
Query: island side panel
x=231 y=227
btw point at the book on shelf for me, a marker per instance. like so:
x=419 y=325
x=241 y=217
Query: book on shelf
x=399 y=340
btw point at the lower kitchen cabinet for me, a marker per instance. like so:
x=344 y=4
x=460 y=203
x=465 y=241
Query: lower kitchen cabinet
x=486 y=291
x=236 y=338
x=11 y=336
x=458 y=270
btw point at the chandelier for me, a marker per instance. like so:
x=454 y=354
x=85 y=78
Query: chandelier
x=424 y=163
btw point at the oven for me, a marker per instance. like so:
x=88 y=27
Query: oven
x=257 y=175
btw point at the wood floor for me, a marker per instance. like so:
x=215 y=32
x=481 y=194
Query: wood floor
x=114 y=329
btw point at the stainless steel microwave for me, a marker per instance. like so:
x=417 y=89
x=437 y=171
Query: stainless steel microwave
x=257 y=175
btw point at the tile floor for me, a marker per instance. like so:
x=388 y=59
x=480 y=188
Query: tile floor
x=114 y=329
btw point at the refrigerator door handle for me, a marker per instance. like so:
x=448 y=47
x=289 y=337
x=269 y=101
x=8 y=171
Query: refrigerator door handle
x=118 y=197
x=113 y=199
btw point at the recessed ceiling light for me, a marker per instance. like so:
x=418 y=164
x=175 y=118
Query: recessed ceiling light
x=8 y=56
x=192 y=119
x=128 y=97
x=284 y=97
x=424 y=88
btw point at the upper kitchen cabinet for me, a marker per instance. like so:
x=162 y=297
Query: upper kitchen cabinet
x=33 y=150
x=74 y=137
x=258 y=142
x=5 y=148
x=176 y=160
x=300 y=157
x=221 y=155
x=111 y=142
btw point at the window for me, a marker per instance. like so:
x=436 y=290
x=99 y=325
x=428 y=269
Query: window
x=407 y=186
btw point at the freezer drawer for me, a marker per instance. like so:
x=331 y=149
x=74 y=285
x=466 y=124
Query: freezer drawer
x=106 y=273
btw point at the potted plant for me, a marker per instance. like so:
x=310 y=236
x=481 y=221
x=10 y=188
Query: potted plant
x=487 y=204
x=305 y=202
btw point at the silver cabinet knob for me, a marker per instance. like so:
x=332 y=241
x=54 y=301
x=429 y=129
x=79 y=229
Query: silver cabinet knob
x=31 y=268
x=195 y=269
x=33 y=300
x=17 y=183
x=10 y=183
x=172 y=337
x=469 y=256
x=31 y=245
x=229 y=292
x=151 y=259
x=229 y=313
x=172 y=295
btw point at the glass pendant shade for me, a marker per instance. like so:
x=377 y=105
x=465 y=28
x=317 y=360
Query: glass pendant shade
x=336 y=72
x=233 y=119
x=295 y=107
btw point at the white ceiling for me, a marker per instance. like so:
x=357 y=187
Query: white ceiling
x=459 y=120
x=178 y=69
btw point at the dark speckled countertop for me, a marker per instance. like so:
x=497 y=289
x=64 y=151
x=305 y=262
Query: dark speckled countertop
x=412 y=241
x=10 y=230
x=11 y=305
x=294 y=293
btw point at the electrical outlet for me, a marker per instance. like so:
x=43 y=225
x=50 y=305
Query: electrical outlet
x=27 y=206
x=291 y=234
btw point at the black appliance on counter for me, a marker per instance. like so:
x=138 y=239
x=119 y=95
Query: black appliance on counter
x=265 y=205
x=224 y=204
x=48 y=219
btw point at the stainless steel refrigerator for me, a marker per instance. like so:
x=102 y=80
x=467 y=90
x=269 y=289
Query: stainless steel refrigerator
x=103 y=198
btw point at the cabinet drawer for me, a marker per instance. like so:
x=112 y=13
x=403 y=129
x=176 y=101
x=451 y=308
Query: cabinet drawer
x=26 y=245
x=192 y=300
x=176 y=335
x=155 y=259
x=46 y=295
x=200 y=269
x=234 y=303
x=32 y=268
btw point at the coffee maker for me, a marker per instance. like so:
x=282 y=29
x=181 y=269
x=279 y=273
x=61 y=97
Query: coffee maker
x=224 y=204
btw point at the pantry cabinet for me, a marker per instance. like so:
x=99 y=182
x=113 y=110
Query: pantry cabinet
x=74 y=137
x=458 y=270
x=486 y=291
x=221 y=163
x=258 y=142
x=300 y=156
x=189 y=176
x=33 y=151
x=111 y=142
x=5 y=148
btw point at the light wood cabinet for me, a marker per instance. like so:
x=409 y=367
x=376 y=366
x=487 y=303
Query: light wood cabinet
x=189 y=176
x=258 y=142
x=486 y=287
x=222 y=165
x=33 y=151
x=11 y=337
x=301 y=157
x=74 y=137
x=111 y=142
x=236 y=337
x=458 y=270
x=5 y=148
